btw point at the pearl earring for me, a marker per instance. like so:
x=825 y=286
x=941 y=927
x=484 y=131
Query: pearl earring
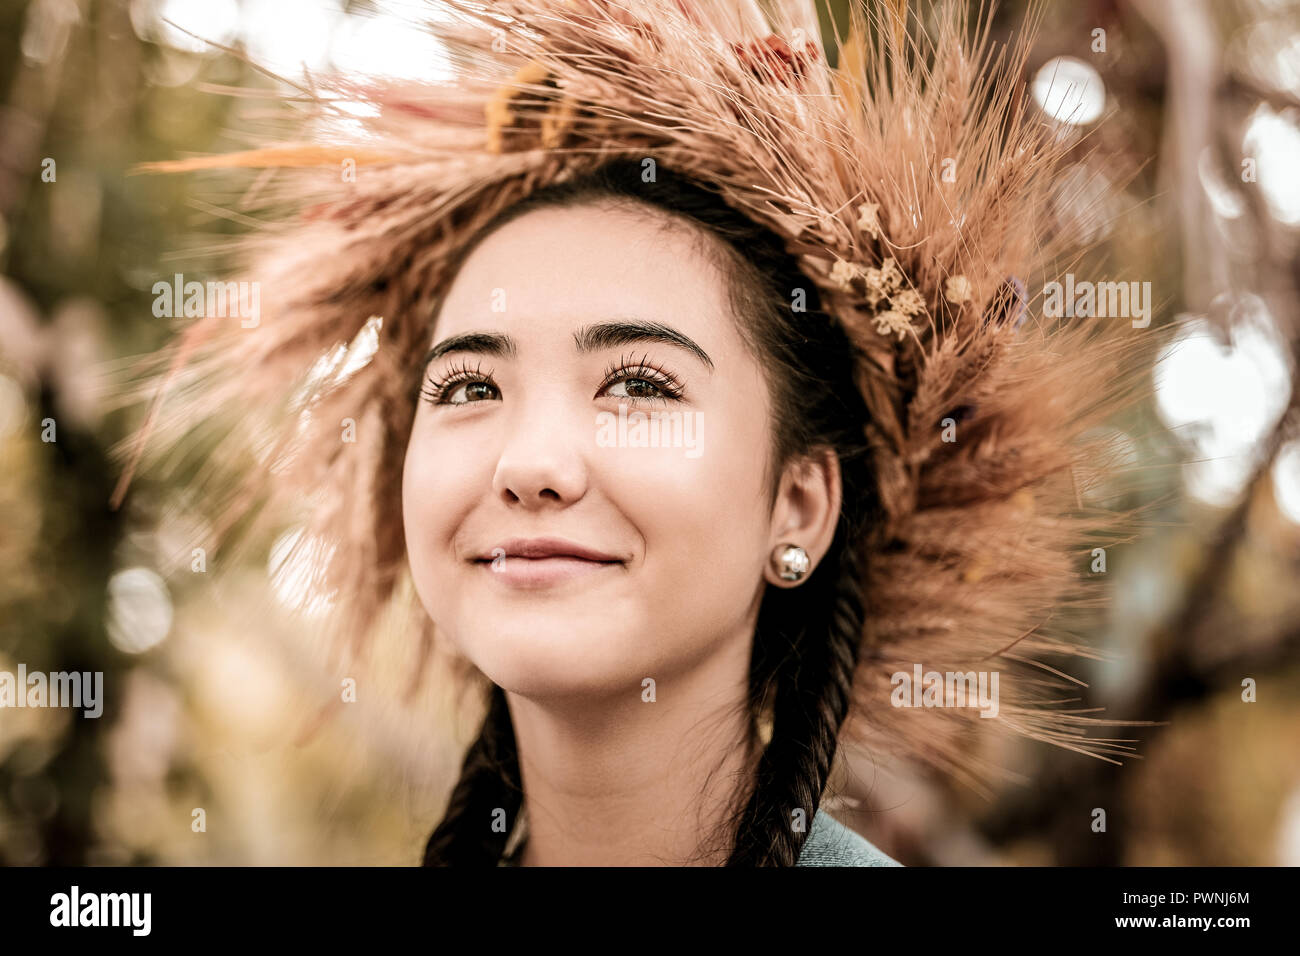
x=791 y=562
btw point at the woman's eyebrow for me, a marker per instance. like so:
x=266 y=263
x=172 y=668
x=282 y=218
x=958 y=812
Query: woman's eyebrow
x=588 y=338
x=625 y=332
x=485 y=343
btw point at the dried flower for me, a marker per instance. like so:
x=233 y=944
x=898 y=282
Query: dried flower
x=892 y=321
x=883 y=282
x=908 y=301
x=891 y=276
x=869 y=219
x=875 y=287
x=842 y=273
x=956 y=289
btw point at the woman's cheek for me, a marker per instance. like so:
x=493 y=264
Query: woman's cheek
x=699 y=521
x=430 y=500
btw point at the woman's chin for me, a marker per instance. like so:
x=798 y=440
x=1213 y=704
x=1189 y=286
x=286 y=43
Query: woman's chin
x=560 y=684
x=543 y=659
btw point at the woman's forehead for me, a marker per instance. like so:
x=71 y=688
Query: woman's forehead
x=565 y=267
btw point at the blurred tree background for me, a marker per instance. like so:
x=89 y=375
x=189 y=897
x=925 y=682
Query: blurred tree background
x=219 y=743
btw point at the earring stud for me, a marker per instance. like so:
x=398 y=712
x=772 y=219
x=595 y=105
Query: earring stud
x=792 y=562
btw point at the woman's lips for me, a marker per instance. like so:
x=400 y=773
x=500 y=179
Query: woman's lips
x=523 y=572
x=543 y=562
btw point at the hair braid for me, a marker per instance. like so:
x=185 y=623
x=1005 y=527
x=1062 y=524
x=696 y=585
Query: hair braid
x=489 y=780
x=813 y=686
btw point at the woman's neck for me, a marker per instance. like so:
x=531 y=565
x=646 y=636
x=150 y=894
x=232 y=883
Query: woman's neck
x=628 y=782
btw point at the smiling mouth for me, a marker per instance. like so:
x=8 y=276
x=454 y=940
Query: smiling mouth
x=517 y=572
x=540 y=563
x=545 y=559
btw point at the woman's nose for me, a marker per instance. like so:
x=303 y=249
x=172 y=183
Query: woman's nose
x=543 y=455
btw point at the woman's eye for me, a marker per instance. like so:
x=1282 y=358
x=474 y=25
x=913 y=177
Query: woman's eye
x=635 y=388
x=467 y=392
x=460 y=387
x=640 y=380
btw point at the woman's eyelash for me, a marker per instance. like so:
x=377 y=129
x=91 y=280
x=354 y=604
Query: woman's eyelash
x=628 y=367
x=436 y=390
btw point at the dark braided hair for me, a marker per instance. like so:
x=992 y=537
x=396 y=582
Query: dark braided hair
x=806 y=639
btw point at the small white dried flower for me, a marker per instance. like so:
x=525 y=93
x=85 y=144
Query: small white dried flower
x=956 y=289
x=875 y=286
x=883 y=282
x=891 y=277
x=842 y=273
x=869 y=219
x=892 y=321
x=908 y=301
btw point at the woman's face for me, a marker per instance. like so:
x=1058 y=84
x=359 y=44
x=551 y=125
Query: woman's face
x=566 y=544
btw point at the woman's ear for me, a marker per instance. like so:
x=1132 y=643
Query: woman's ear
x=806 y=511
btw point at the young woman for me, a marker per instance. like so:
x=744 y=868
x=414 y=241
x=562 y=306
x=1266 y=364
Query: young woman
x=693 y=390
x=640 y=610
